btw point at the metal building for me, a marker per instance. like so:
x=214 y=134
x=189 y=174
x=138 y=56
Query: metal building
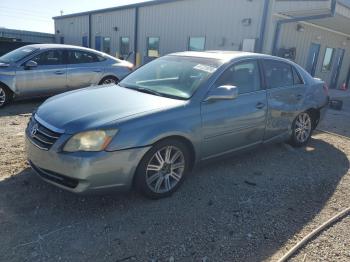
x=26 y=36
x=313 y=33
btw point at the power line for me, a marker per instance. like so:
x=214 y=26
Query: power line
x=26 y=14
x=26 y=18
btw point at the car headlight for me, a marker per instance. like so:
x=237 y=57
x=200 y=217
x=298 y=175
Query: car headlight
x=90 y=141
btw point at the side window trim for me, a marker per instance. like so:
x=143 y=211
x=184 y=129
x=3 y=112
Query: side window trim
x=295 y=71
x=277 y=61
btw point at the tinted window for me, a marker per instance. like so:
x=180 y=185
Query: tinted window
x=278 y=74
x=327 y=60
x=297 y=78
x=244 y=75
x=53 y=57
x=153 y=47
x=80 y=57
x=196 y=44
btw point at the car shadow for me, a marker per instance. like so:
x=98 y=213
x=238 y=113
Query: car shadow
x=242 y=208
x=21 y=107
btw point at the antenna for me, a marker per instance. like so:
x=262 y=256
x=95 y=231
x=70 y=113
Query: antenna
x=61 y=12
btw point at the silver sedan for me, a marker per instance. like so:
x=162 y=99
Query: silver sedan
x=48 y=69
x=169 y=115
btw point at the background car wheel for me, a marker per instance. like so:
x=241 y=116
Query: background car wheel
x=5 y=95
x=109 y=80
x=301 y=130
x=163 y=169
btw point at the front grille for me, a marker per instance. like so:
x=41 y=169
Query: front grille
x=54 y=177
x=40 y=135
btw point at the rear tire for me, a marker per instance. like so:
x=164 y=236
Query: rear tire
x=6 y=95
x=163 y=169
x=109 y=80
x=302 y=128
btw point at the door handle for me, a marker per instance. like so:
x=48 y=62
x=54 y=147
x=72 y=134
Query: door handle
x=59 y=72
x=260 y=105
x=97 y=71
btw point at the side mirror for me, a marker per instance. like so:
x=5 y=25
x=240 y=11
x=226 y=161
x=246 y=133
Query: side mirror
x=226 y=92
x=30 y=64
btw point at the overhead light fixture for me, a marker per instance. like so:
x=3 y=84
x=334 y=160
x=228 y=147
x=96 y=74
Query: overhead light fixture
x=300 y=28
x=246 y=21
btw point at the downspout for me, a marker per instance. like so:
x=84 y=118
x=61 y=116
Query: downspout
x=136 y=33
x=89 y=33
x=299 y=19
x=260 y=46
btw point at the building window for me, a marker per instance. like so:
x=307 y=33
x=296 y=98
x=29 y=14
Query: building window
x=153 y=47
x=62 y=40
x=85 y=41
x=196 y=44
x=106 y=45
x=124 y=47
x=328 y=59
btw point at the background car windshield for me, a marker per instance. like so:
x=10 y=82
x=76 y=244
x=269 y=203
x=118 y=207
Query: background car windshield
x=172 y=76
x=17 y=55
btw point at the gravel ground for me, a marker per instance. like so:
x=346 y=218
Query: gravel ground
x=252 y=207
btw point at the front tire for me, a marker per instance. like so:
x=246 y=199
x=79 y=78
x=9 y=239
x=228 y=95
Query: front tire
x=109 y=80
x=301 y=130
x=163 y=169
x=5 y=96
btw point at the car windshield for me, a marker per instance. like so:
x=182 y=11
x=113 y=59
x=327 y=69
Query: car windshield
x=172 y=76
x=17 y=55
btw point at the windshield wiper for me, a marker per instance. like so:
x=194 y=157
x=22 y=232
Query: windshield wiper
x=148 y=91
x=142 y=89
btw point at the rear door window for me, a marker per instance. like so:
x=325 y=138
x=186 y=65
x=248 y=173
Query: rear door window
x=278 y=74
x=244 y=75
x=297 y=78
x=81 y=57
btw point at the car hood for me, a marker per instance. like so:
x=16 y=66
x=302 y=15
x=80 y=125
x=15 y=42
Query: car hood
x=98 y=107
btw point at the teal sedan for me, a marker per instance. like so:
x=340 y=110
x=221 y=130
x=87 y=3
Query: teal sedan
x=149 y=131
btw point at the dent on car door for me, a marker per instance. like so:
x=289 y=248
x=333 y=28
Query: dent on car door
x=46 y=76
x=285 y=94
x=83 y=69
x=228 y=125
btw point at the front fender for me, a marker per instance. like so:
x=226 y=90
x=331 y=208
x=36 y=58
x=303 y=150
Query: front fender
x=144 y=131
x=8 y=78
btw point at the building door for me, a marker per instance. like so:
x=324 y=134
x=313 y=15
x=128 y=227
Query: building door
x=98 y=43
x=312 y=58
x=338 y=61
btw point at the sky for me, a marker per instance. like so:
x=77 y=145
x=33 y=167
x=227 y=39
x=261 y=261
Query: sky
x=36 y=15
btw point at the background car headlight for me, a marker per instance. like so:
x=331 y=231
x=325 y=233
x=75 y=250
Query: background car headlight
x=91 y=141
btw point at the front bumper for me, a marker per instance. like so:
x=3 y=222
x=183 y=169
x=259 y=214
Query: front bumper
x=86 y=172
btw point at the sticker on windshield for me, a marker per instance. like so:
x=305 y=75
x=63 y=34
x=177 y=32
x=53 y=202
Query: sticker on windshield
x=205 y=68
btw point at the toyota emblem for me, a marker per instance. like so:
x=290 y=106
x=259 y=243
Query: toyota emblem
x=34 y=130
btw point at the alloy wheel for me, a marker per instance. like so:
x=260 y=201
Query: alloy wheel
x=109 y=81
x=303 y=127
x=165 y=169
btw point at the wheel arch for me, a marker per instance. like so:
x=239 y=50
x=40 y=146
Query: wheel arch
x=315 y=116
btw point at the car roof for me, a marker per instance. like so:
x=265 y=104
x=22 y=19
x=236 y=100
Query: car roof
x=224 y=55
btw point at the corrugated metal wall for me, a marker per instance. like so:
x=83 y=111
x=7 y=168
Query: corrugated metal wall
x=27 y=36
x=290 y=37
x=72 y=29
x=104 y=25
x=219 y=21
